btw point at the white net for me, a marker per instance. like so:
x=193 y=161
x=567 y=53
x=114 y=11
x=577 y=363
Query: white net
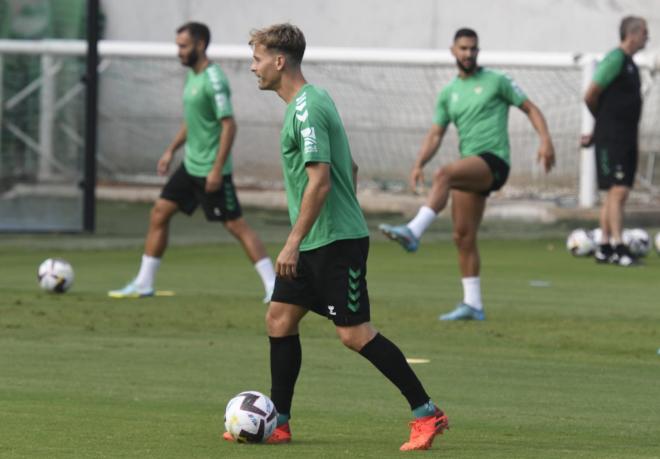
x=386 y=107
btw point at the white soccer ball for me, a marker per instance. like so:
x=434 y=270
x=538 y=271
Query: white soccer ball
x=580 y=244
x=638 y=241
x=55 y=275
x=250 y=417
x=596 y=235
x=657 y=243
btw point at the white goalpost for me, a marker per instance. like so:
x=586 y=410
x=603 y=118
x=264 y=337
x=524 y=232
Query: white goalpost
x=386 y=98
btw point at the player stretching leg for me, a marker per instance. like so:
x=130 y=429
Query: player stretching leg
x=323 y=265
x=205 y=176
x=477 y=102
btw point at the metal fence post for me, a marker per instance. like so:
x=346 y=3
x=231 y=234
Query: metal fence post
x=47 y=98
x=587 y=191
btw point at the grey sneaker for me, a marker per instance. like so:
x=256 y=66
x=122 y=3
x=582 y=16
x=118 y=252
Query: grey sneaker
x=464 y=312
x=400 y=234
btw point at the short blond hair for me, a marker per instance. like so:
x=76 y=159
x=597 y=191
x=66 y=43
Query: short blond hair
x=285 y=38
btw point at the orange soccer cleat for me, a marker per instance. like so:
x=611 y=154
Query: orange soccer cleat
x=281 y=434
x=423 y=430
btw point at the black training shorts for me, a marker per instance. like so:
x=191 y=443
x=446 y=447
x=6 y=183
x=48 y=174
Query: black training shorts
x=616 y=164
x=498 y=168
x=331 y=281
x=188 y=192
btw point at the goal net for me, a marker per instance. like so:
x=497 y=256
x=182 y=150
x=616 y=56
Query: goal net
x=386 y=99
x=386 y=108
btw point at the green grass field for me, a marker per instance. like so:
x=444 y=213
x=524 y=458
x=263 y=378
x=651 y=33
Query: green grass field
x=565 y=370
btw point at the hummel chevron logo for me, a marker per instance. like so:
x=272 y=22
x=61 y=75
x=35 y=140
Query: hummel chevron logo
x=354 y=274
x=301 y=103
x=354 y=289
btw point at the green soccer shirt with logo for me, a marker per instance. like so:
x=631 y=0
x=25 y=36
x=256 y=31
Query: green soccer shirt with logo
x=206 y=100
x=314 y=132
x=479 y=108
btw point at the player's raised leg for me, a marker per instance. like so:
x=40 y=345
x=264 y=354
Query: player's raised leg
x=467 y=212
x=154 y=248
x=471 y=174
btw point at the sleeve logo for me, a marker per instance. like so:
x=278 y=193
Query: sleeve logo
x=301 y=108
x=221 y=101
x=309 y=139
x=515 y=86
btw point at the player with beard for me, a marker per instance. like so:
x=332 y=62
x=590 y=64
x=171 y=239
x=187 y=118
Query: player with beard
x=477 y=102
x=205 y=175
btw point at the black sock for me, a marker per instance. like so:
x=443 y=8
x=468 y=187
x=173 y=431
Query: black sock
x=606 y=249
x=285 y=361
x=389 y=359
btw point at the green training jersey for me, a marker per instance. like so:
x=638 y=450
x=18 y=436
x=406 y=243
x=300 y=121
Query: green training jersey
x=314 y=132
x=479 y=108
x=206 y=100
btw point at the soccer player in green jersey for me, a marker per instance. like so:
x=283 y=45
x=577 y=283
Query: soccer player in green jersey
x=614 y=98
x=323 y=264
x=477 y=102
x=205 y=175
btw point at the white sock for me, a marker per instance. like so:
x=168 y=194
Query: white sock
x=422 y=220
x=147 y=273
x=267 y=273
x=472 y=292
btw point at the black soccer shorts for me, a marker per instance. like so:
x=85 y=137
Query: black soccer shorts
x=331 y=281
x=498 y=168
x=187 y=191
x=616 y=164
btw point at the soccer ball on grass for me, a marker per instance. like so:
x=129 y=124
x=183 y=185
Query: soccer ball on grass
x=638 y=241
x=55 y=275
x=580 y=244
x=250 y=417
